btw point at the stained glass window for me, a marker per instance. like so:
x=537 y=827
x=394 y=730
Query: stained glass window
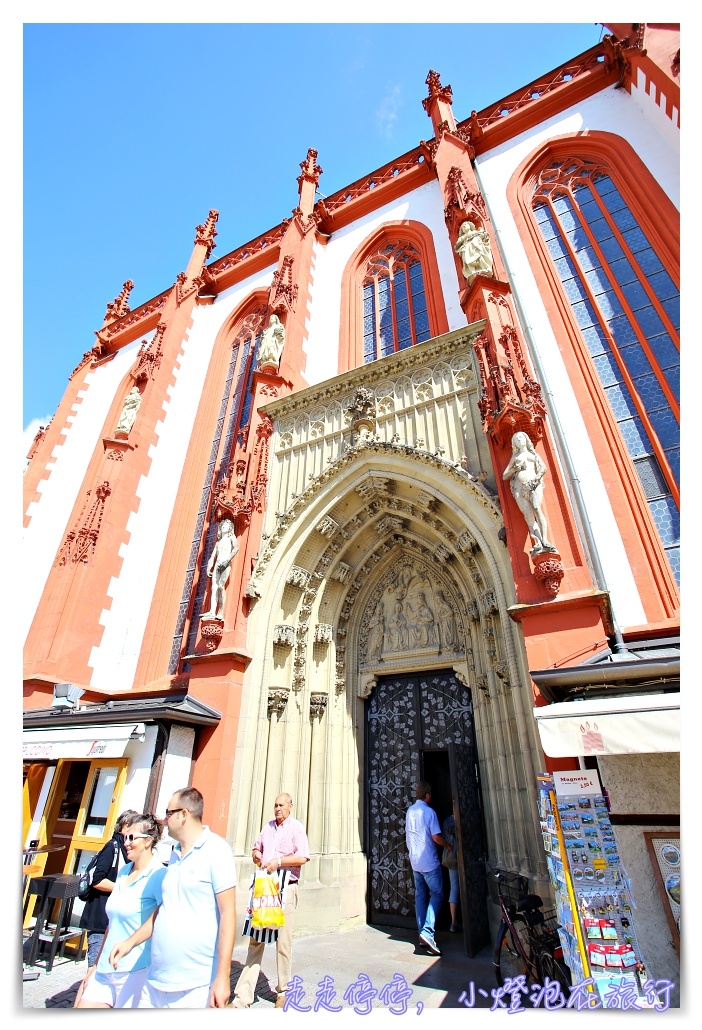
x=628 y=310
x=394 y=302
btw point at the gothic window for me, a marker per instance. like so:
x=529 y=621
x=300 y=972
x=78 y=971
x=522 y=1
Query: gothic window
x=395 y=312
x=627 y=308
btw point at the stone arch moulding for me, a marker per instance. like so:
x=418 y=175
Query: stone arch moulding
x=351 y=322
x=338 y=545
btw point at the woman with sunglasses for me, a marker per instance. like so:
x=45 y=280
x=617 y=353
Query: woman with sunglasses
x=131 y=902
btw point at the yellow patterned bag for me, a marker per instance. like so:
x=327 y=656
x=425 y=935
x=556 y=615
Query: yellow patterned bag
x=266 y=909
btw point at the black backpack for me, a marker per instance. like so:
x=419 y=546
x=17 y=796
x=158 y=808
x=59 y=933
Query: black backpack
x=85 y=883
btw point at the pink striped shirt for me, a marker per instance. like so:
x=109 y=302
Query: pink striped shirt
x=288 y=838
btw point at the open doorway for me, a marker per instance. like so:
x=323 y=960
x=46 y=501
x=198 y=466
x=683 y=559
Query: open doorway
x=435 y=769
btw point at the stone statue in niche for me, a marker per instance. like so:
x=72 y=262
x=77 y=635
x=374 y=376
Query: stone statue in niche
x=423 y=624
x=448 y=638
x=223 y=552
x=473 y=248
x=526 y=472
x=397 y=637
x=376 y=634
x=130 y=408
x=270 y=346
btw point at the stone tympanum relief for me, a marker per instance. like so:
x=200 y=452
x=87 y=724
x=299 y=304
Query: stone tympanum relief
x=526 y=472
x=410 y=613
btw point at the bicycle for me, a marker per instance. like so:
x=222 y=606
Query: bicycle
x=527 y=942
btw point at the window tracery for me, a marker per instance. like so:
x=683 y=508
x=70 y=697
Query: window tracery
x=395 y=314
x=627 y=308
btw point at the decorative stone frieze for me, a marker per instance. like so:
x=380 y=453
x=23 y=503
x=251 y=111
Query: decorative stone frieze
x=298 y=577
x=548 y=570
x=488 y=602
x=284 y=635
x=318 y=704
x=342 y=572
x=443 y=553
x=483 y=685
x=323 y=633
x=389 y=524
x=466 y=542
x=277 y=700
x=327 y=526
x=365 y=685
x=212 y=631
x=473 y=611
x=426 y=500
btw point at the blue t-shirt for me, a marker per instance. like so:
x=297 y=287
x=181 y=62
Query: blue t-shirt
x=128 y=906
x=185 y=937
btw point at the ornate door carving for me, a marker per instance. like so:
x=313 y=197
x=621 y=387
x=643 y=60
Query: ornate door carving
x=404 y=716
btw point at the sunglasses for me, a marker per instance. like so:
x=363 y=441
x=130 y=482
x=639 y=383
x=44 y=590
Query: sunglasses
x=172 y=811
x=131 y=837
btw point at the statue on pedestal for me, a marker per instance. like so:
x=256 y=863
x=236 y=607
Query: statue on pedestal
x=270 y=346
x=130 y=408
x=526 y=472
x=473 y=248
x=223 y=552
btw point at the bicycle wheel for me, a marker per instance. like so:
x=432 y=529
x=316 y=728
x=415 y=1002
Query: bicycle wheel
x=510 y=957
x=552 y=968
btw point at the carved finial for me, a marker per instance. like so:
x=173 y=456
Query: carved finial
x=310 y=171
x=206 y=233
x=118 y=307
x=436 y=90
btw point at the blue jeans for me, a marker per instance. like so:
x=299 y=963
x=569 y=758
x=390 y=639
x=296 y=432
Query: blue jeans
x=428 y=895
x=94 y=943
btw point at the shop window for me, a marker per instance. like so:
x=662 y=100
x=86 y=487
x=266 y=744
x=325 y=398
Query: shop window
x=395 y=314
x=627 y=309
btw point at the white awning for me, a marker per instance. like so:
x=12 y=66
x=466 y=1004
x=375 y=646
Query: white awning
x=636 y=725
x=97 y=741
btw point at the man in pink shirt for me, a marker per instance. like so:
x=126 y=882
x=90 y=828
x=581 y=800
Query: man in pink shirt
x=281 y=844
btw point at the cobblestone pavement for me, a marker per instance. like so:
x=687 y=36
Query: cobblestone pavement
x=383 y=954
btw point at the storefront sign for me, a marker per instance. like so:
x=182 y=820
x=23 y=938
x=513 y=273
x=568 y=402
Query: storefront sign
x=78 y=742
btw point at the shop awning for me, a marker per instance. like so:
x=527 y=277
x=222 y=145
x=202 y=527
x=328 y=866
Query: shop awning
x=641 y=724
x=99 y=741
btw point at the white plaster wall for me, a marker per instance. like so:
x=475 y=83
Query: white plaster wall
x=176 y=770
x=141 y=756
x=425 y=205
x=114 y=660
x=655 y=113
x=611 y=111
x=69 y=460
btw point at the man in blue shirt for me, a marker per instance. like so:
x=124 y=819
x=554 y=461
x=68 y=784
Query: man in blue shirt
x=422 y=833
x=192 y=929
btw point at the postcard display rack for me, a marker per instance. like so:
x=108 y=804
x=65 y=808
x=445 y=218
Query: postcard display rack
x=593 y=899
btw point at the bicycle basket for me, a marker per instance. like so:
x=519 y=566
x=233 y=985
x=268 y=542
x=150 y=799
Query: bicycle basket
x=545 y=932
x=508 y=886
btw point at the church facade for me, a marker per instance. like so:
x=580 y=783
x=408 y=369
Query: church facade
x=390 y=492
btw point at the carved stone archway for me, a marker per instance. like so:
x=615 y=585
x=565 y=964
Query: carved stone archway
x=353 y=510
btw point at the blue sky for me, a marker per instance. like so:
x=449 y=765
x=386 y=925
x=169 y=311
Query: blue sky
x=132 y=132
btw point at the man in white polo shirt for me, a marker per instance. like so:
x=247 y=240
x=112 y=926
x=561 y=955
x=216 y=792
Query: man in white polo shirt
x=422 y=833
x=192 y=929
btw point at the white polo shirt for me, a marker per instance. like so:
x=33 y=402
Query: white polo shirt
x=184 y=942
